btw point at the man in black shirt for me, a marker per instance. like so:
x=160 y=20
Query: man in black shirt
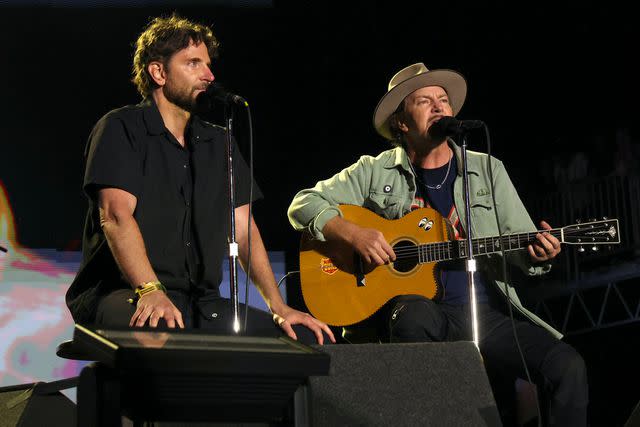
x=156 y=228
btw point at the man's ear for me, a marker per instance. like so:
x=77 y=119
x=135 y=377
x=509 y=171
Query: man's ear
x=157 y=72
x=398 y=123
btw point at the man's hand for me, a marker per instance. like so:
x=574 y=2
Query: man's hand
x=368 y=242
x=289 y=316
x=372 y=246
x=153 y=307
x=546 y=247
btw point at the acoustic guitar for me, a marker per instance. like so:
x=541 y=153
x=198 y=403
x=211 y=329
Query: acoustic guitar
x=340 y=289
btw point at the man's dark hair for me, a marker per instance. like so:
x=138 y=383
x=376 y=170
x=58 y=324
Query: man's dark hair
x=162 y=38
x=396 y=133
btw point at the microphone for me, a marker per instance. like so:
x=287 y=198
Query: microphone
x=450 y=126
x=216 y=93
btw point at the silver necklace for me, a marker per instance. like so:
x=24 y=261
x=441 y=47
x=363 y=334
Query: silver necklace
x=431 y=187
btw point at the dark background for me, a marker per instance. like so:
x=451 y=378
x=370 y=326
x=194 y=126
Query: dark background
x=547 y=80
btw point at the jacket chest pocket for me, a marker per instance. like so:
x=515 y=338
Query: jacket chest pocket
x=386 y=205
x=483 y=217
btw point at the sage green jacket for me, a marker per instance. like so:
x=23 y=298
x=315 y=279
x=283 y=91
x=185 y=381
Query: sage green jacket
x=386 y=185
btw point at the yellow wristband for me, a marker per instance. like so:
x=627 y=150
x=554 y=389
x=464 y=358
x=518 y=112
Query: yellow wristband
x=145 y=288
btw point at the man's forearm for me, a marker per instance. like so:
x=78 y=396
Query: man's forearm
x=127 y=247
x=261 y=273
x=339 y=229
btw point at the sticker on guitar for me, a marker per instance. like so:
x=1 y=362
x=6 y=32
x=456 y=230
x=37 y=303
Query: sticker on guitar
x=326 y=265
x=425 y=223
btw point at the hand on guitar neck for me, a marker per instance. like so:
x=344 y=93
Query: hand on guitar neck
x=368 y=242
x=546 y=247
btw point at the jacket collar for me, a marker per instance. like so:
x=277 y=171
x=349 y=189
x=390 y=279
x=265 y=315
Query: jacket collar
x=473 y=165
x=400 y=158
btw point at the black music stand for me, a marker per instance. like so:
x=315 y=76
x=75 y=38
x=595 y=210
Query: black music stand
x=190 y=376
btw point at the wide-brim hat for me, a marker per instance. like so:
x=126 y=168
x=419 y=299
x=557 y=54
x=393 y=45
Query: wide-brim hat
x=410 y=79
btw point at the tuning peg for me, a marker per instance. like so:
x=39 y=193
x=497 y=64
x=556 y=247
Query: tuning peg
x=594 y=248
x=592 y=220
x=604 y=218
x=580 y=248
x=578 y=221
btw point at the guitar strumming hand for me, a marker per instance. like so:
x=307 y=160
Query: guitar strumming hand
x=369 y=243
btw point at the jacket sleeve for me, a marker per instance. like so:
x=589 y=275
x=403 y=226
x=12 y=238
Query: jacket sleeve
x=514 y=218
x=312 y=208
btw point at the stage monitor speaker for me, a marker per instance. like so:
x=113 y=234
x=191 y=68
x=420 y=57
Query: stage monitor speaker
x=35 y=405
x=425 y=384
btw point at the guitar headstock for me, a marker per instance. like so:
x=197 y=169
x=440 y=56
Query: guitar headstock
x=603 y=232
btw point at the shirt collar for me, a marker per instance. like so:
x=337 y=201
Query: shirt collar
x=152 y=118
x=155 y=124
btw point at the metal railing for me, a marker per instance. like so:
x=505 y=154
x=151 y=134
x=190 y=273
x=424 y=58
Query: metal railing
x=591 y=290
x=593 y=198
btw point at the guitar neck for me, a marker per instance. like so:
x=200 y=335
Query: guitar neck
x=447 y=251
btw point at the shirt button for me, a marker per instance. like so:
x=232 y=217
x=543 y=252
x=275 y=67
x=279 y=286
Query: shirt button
x=188 y=244
x=188 y=204
x=185 y=166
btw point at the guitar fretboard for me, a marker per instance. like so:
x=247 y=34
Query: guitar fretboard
x=446 y=251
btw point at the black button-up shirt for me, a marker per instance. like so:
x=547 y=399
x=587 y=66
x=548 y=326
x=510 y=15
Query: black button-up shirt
x=182 y=207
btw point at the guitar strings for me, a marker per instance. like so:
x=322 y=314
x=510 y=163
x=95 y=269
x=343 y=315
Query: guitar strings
x=442 y=250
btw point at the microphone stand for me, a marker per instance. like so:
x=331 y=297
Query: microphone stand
x=470 y=262
x=233 y=245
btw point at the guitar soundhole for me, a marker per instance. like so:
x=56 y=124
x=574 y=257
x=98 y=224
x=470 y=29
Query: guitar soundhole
x=406 y=256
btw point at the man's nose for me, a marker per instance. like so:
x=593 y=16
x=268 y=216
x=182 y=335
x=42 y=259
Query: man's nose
x=208 y=75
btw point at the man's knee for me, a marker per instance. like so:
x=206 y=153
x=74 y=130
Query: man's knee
x=415 y=320
x=114 y=309
x=565 y=368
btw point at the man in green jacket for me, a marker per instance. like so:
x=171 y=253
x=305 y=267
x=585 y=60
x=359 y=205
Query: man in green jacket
x=425 y=170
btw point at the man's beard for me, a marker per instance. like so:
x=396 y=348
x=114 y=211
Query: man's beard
x=181 y=97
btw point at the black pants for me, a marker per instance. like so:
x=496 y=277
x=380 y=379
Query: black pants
x=207 y=312
x=556 y=368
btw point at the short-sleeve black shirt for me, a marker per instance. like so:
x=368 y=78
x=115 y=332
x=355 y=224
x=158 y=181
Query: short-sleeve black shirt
x=182 y=207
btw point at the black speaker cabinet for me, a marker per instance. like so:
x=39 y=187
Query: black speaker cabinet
x=422 y=384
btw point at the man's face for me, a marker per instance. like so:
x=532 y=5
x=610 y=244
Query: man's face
x=422 y=109
x=187 y=74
